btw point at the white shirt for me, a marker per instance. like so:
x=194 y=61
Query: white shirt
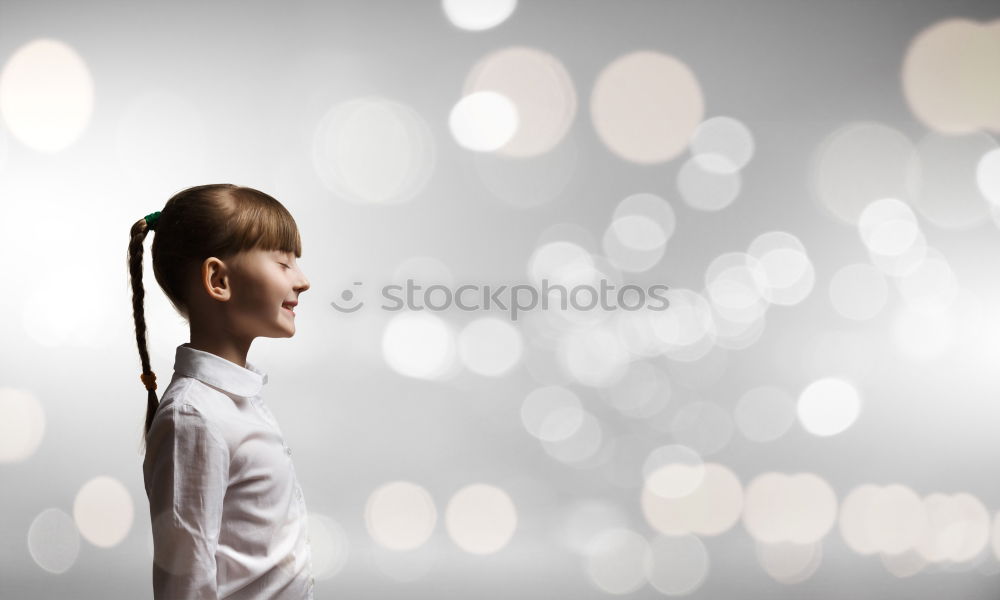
x=227 y=512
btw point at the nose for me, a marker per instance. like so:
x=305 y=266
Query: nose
x=303 y=284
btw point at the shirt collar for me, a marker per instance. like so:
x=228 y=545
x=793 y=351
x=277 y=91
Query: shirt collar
x=219 y=372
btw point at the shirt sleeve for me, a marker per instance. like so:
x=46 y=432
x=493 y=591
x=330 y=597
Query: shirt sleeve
x=186 y=472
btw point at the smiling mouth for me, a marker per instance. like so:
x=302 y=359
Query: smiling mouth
x=288 y=308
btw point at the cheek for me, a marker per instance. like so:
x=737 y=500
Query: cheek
x=254 y=296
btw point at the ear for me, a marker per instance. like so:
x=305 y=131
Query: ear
x=214 y=279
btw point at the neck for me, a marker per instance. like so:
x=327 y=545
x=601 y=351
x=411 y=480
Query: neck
x=234 y=351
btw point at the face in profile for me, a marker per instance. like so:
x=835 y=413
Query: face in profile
x=266 y=285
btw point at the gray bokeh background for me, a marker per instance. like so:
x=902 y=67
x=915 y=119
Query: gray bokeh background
x=191 y=93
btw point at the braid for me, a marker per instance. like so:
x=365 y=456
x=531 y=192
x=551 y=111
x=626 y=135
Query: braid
x=135 y=254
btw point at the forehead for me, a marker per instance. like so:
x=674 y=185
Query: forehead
x=257 y=255
x=271 y=253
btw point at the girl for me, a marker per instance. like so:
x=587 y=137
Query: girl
x=226 y=509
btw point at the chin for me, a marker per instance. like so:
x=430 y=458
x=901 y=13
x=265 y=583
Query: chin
x=280 y=332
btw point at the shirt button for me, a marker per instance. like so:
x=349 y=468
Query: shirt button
x=288 y=451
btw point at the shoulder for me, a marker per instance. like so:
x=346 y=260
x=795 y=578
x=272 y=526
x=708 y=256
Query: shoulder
x=187 y=404
x=184 y=390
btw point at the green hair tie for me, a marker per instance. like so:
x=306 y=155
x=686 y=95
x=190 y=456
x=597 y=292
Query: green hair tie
x=151 y=219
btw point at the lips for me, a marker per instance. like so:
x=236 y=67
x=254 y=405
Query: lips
x=289 y=306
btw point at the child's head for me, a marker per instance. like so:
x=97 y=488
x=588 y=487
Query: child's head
x=224 y=255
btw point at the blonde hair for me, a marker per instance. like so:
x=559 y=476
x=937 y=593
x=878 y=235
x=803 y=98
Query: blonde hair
x=199 y=222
